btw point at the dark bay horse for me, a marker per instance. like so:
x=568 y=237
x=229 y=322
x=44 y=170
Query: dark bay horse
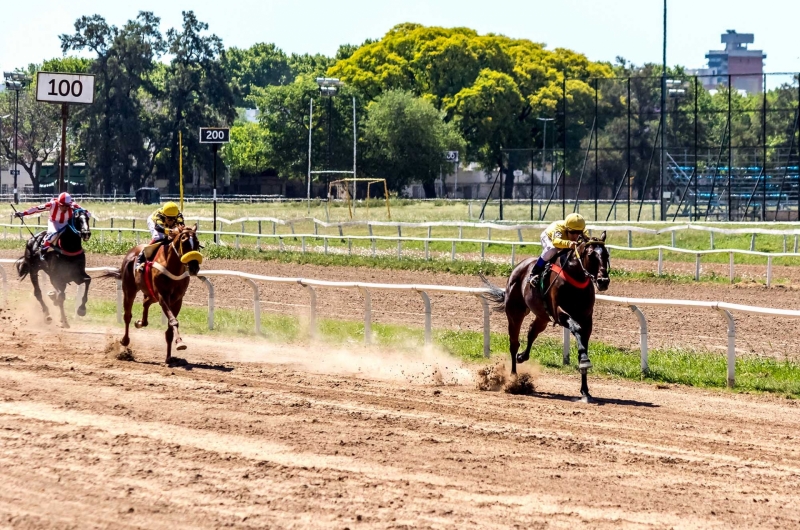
x=64 y=265
x=568 y=299
x=163 y=281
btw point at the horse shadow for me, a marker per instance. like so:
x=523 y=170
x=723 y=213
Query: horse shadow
x=596 y=400
x=177 y=362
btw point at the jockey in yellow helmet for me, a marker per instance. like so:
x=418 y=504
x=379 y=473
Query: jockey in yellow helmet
x=556 y=237
x=164 y=219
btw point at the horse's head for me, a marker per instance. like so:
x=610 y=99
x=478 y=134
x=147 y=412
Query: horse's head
x=188 y=247
x=596 y=260
x=81 y=223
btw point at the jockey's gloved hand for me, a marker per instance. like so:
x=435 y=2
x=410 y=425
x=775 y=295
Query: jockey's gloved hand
x=19 y=214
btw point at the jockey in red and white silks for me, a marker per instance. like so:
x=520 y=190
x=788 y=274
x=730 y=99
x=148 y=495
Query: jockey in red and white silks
x=61 y=210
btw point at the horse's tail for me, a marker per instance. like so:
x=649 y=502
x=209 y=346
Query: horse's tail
x=116 y=274
x=23 y=264
x=496 y=295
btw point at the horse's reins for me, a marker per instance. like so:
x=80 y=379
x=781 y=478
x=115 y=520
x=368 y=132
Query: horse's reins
x=580 y=261
x=163 y=270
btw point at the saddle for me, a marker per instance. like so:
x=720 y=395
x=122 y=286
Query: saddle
x=38 y=245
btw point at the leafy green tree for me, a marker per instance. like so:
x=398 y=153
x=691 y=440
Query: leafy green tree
x=112 y=132
x=492 y=87
x=260 y=65
x=196 y=93
x=407 y=138
x=38 y=131
x=248 y=151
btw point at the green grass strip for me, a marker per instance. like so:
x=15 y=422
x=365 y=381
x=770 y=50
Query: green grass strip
x=674 y=366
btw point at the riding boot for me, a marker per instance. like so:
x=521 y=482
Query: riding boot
x=140 y=262
x=536 y=273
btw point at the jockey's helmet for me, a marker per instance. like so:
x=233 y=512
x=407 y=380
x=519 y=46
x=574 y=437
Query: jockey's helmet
x=170 y=209
x=65 y=199
x=575 y=222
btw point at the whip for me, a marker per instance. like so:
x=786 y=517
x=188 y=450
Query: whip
x=22 y=220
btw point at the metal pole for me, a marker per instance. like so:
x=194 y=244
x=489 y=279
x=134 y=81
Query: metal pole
x=214 y=148
x=730 y=153
x=628 y=172
x=310 y=128
x=696 y=175
x=328 y=155
x=596 y=160
x=16 y=135
x=501 y=188
x=354 y=153
x=532 y=176
x=564 y=133
x=663 y=118
x=64 y=116
x=764 y=153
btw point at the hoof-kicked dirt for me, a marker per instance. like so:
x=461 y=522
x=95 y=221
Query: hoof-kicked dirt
x=245 y=434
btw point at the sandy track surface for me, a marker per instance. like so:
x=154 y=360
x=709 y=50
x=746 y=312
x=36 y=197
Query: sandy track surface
x=616 y=325
x=294 y=437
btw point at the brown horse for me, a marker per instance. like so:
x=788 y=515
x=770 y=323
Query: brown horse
x=163 y=281
x=568 y=300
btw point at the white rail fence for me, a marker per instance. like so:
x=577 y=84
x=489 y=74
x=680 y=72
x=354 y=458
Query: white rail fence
x=400 y=239
x=724 y=309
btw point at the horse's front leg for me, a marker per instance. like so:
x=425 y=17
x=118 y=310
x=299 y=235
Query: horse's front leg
x=538 y=325
x=59 y=298
x=82 y=308
x=172 y=327
x=581 y=332
x=37 y=292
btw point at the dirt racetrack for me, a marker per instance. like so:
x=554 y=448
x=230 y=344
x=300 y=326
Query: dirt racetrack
x=249 y=435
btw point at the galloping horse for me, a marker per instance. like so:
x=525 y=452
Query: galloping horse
x=65 y=264
x=567 y=297
x=163 y=281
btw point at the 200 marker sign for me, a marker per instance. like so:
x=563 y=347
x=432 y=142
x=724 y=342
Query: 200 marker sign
x=215 y=135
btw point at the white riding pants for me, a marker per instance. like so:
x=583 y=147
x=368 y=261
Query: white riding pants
x=155 y=234
x=53 y=228
x=549 y=250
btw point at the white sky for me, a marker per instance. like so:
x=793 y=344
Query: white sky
x=601 y=29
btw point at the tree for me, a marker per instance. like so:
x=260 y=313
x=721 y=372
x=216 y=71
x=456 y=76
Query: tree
x=195 y=92
x=248 y=151
x=260 y=65
x=38 y=131
x=407 y=139
x=113 y=135
x=493 y=87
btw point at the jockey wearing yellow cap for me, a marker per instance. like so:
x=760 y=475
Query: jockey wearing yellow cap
x=165 y=218
x=556 y=237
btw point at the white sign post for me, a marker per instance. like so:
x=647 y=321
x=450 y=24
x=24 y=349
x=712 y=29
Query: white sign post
x=52 y=87
x=452 y=156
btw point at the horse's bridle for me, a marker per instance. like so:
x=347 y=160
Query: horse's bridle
x=172 y=245
x=580 y=259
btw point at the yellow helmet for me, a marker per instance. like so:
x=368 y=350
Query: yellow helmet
x=170 y=209
x=575 y=222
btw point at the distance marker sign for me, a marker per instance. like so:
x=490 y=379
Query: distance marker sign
x=215 y=135
x=55 y=87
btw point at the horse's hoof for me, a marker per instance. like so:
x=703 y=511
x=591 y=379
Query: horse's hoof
x=584 y=364
x=138 y=324
x=125 y=341
x=586 y=398
x=180 y=346
x=51 y=295
x=81 y=311
x=522 y=358
x=48 y=319
x=65 y=325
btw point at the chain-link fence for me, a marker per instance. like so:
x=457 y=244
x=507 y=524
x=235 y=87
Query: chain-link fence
x=714 y=153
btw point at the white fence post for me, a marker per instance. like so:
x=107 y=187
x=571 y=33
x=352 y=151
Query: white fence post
x=731 y=347
x=730 y=266
x=210 y=287
x=256 y=304
x=487 y=330
x=697 y=267
x=119 y=301
x=427 y=301
x=660 y=261
x=642 y=338
x=769 y=271
x=312 y=310
x=367 y=315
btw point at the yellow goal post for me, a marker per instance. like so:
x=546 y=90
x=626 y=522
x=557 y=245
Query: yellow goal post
x=342 y=185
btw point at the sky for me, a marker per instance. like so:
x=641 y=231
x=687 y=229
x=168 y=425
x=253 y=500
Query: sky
x=600 y=29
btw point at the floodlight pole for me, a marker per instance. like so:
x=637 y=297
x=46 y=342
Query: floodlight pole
x=663 y=119
x=354 y=154
x=16 y=139
x=544 y=150
x=310 y=128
